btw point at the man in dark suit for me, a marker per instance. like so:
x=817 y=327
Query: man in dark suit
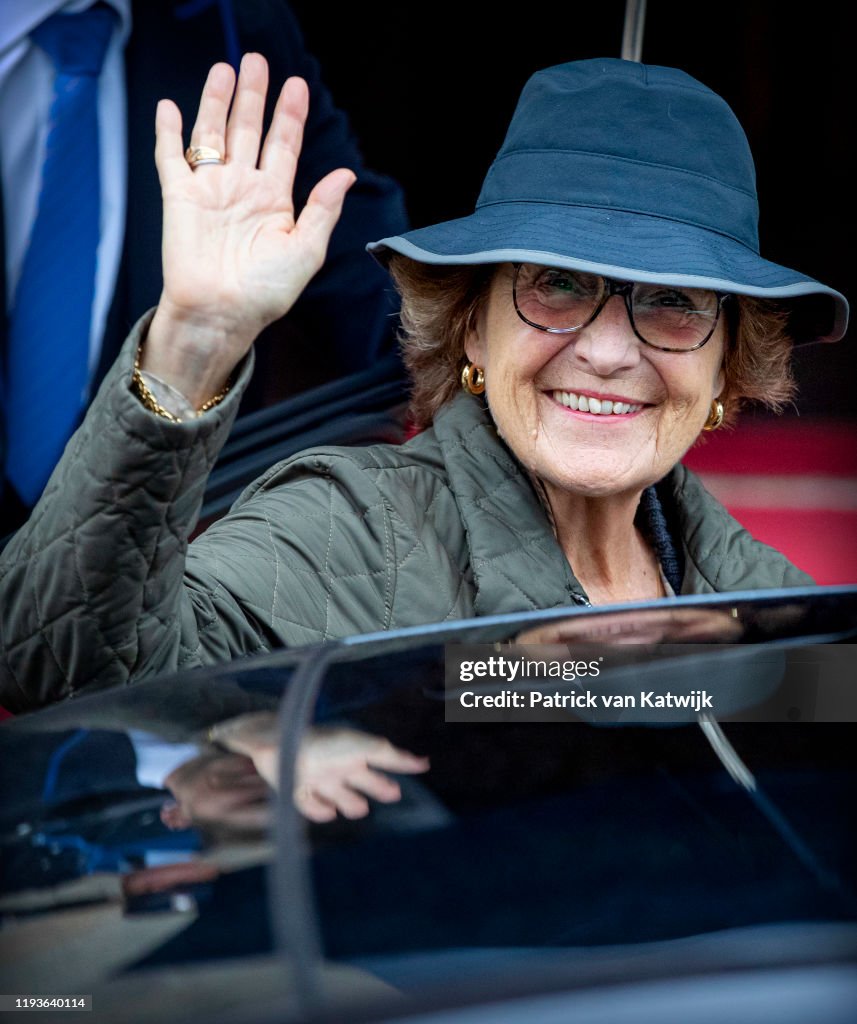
x=342 y=323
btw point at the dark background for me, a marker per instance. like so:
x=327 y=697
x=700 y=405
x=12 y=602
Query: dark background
x=430 y=90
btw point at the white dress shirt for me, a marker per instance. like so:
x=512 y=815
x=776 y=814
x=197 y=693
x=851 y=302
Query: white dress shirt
x=158 y=758
x=26 y=92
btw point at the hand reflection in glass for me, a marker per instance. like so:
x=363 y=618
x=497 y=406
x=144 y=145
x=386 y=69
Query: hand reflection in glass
x=217 y=788
x=337 y=769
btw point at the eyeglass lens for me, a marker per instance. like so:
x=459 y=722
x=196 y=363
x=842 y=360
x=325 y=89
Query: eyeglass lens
x=560 y=300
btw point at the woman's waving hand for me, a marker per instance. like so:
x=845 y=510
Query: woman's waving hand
x=235 y=256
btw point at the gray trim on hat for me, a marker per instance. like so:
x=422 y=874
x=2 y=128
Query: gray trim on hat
x=790 y=291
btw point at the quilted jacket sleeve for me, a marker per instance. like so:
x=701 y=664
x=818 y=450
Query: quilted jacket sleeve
x=91 y=587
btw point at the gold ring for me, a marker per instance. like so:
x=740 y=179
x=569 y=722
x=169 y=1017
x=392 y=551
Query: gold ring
x=199 y=156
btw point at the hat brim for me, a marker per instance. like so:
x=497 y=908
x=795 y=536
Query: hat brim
x=623 y=245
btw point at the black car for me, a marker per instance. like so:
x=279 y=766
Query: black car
x=634 y=814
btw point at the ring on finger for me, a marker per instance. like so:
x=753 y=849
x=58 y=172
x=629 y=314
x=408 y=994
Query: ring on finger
x=199 y=156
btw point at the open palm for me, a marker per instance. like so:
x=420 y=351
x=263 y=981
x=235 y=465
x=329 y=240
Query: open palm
x=235 y=256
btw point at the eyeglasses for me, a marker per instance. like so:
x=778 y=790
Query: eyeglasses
x=666 y=317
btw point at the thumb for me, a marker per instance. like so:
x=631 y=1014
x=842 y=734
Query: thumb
x=323 y=208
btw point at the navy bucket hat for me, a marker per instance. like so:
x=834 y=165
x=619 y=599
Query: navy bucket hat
x=631 y=171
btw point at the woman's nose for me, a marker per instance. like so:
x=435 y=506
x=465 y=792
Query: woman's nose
x=608 y=344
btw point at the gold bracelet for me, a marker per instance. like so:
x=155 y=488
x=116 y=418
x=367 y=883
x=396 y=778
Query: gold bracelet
x=145 y=395
x=216 y=399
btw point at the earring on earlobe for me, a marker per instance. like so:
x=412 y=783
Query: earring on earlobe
x=473 y=379
x=715 y=415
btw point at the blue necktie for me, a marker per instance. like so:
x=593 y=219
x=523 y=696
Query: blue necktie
x=48 y=341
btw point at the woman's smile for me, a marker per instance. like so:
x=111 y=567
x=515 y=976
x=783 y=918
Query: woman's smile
x=596 y=412
x=592 y=404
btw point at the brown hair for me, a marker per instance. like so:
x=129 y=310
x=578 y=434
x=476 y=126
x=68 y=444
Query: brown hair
x=440 y=304
x=757 y=364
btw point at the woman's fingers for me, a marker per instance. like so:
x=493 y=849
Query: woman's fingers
x=285 y=136
x=380 y=787
x=244 y=128
x=169 y=151
x=347 y=801
x=394 y=759
x=314 y=808
x=210 y=126
x=318 y=218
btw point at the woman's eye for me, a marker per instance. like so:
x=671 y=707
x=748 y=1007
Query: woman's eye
x=668 y=299
x=558 y=281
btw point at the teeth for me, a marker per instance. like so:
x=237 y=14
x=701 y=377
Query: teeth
x=597 y=406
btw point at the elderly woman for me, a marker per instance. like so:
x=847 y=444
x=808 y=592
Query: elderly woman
x=568 y=343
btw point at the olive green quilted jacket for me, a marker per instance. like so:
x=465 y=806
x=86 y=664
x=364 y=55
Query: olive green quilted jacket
x=101 y=585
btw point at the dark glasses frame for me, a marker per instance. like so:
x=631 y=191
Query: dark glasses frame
x=613 y=287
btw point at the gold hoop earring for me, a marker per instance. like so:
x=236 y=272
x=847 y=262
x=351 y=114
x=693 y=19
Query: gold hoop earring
x=715 y=415
x=473 y=379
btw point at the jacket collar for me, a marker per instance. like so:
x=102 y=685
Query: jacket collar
x=516 y=561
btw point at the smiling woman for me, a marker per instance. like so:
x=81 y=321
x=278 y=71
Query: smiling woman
x=568 y=342
x=635 y=313
x=569 y=442
x=548 y=395
x=637 y=367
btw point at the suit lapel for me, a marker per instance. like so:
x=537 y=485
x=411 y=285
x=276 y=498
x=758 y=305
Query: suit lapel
x=166 y=56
